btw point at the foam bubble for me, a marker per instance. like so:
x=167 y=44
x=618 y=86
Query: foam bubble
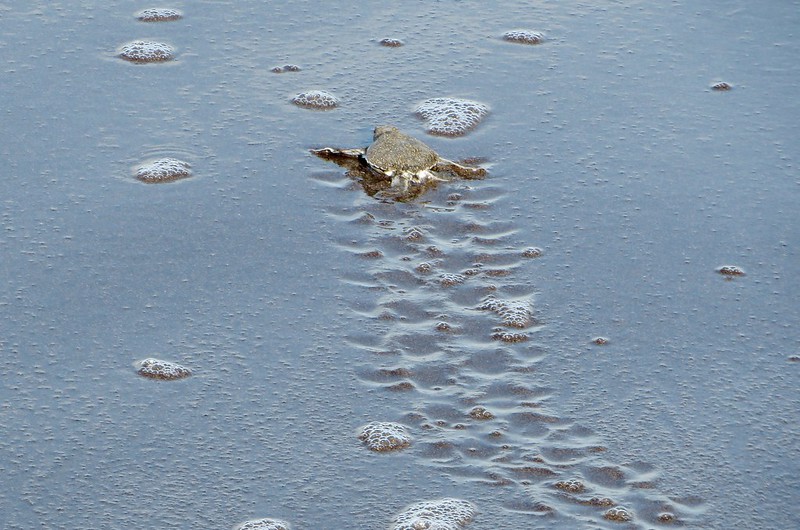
x=731 y=270
x=451 y=116
x=163 y=170
x=316 y=99
x=157 y=14
x=524 y=36
x=166 y=370
x=263 y=524
x=721 y=86
x=391 y=43
x=141 y=51
x=515 y=314
x=383 y=436
x=532 y=252
x=600 y=341
x=444 y=514
x=618 y=513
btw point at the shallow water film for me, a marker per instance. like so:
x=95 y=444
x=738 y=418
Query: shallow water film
x=601 y=333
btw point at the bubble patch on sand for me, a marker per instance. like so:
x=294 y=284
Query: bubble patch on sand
x=158 y=14
x=515 y=314
x=524 y=36
x=731 y=270
x=316 y=99
x=142 y=52
x=163 y=170
x=451 y=116
x=285 y=68
x=263 y=524
x=619 y=514
x=384 y=436
x=444 y=514
x=391 y=43
x=165 y=370
x=532 y=252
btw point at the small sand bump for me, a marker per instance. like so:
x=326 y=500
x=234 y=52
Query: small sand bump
x=383 y=436
x=524 y=36
x=413 y=234
x=316 y=99
x=263 y=524
x=444 y=327
x=163 y=170
x=618 y=514
x=142 y=52
x=721 y=86
x=444 y=514
x=165 y=370
x=159 y=15
x=391 y=43
x=402 y=386
x=731 y=270
x=599 y=501
x=451 y=116
x=371 y=254
x=425 y=267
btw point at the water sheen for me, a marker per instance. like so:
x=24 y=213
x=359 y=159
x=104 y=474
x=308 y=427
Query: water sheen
x=306 y=309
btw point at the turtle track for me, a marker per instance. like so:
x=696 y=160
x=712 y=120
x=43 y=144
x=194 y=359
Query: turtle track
x=450 y=333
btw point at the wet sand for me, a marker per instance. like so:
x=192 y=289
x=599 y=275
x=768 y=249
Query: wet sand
x=306 y=309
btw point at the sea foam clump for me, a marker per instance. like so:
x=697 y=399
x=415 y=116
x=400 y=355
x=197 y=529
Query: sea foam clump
x=515 y=314
x=383 y=436
x=524 y=36
x=263 y=524
x=444 y=514
x=166 y=370
x=451 y=116
x=316 y=99
x=163 y=170
x=141 y=51
x=158 y=14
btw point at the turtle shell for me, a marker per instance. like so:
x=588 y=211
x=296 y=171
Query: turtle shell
x=394 y=152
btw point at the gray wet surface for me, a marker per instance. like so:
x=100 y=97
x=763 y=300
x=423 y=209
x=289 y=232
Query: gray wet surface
x=303 y=308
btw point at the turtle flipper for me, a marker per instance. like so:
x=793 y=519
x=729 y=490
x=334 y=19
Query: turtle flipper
x=330 y=152
x=467 y=172
x=350 y=159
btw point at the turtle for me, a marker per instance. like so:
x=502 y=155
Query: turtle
x=403 y=159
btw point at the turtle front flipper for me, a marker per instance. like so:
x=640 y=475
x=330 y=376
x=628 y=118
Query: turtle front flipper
x=467 y=172
x=350 y=159
x=329 y=153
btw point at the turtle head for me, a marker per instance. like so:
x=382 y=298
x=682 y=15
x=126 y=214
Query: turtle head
x=383 y=129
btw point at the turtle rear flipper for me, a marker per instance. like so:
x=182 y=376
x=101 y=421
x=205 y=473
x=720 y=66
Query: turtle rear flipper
x=467 y=172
